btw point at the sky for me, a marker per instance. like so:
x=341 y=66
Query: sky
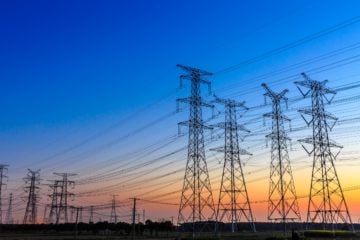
x=90 y=87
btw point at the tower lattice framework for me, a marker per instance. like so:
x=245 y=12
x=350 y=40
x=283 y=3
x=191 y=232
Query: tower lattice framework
x=33 y=177
x=282 y=205
x=3 y=169
x=113 y=215
x=233 y=204
x=91 y=214
x=197 y=204
x=54 y=207
x=65 y=196
x=81 y=214
x=327 y=203
x=9 y=215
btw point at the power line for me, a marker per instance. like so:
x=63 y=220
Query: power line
x=291 y=45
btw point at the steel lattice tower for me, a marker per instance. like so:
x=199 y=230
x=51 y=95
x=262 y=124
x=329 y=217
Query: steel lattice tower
x=197 y=202
x=3 y=169
x=45 y=219
x=33 y=177
x=113 y=216
x=81 y=214
x=233 y=201
x=72 y=212
x=91 y=217
x=9 y=218
x=54 y=207
x=65 y=183
x=282 y=205
x=326 y=204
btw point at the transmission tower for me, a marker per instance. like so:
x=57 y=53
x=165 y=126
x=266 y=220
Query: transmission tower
x=54 y=207
x=9 y=218
x=91 y=218
x=133 y=216
x=233 y=201
x=326 y=204
x=72 y=212
x=45 y=219
x=197 y=204
x=283 y=205
x=64 y=184
x=33 y=177
x=113 y=216
x=3 y=169
x=81 y=214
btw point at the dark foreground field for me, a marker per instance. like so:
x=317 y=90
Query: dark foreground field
x=171 y=236
x=166 y=231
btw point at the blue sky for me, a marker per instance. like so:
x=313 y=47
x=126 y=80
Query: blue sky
x=71 y=69
x=75 y=59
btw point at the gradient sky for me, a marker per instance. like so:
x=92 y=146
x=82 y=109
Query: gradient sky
x=90 y=86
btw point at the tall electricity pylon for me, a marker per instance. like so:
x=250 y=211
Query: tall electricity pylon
x=64 y=184
x=197 y=203
x=81 y=214
x=54 y=207
x=327 y=203
x=233 y=204
x=113 y=216
x=73 y=211
x=283 y=205
x=3 y=169
x=91 y=215
x=9 y=218
x=33 y=177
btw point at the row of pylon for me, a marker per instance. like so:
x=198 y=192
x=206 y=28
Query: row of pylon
x=59 y=211
x=326 y=203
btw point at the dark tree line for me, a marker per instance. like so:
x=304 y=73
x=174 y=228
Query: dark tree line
x=120 y=228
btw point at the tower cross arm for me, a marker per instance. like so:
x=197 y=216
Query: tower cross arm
x=312 y=84
x=240 y=151
x=65 y=174
x=281 y=135
x=190 y=99
x=193 y=69
x=273 y=115
x=309 y=111
x=225 y=125
x=274 y=96
x=188 y=122
x=229 y=102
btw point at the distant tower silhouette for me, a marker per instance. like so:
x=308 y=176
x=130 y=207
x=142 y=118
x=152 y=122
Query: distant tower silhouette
x=283 y=205
x=33 y=177
x=73 y=210
x=113 y=216
x=91 y=217
x=45 y=219
x=64 y=207
x=3 y=169
x=54 y=207
x=197 y=202
x=327 y=203
x=233 y=198
x=9 y=218
x=81 y=214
